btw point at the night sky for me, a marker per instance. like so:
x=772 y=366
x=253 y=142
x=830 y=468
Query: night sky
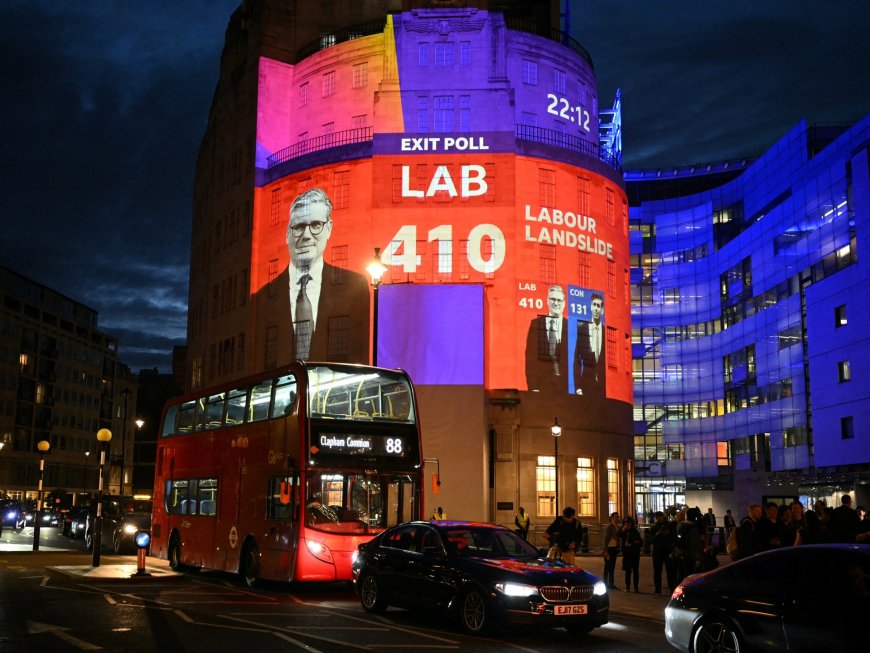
x=104 y=104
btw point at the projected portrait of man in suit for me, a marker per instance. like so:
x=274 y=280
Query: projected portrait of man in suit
x=547 y=346
x=590 y=358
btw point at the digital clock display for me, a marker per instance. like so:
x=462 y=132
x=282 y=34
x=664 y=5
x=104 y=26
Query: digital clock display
x=562 y=107
x=350 y=444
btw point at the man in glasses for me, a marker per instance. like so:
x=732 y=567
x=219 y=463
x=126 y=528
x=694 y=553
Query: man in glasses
x=322 y=297
x=547 y=346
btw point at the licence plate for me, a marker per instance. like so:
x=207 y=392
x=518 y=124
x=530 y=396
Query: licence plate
x=571 y=609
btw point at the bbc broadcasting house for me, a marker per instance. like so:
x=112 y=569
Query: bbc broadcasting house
x=466 y=142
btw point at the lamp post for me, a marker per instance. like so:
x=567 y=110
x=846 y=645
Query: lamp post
x=85 y=481
x=556 y=431
x=126 y=393
x=376 y=269
x=43 y=447
x=104 y=436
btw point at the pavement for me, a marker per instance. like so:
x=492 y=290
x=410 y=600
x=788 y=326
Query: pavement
x=78 y=567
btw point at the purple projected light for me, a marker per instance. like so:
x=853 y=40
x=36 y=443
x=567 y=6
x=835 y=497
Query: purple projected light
x=436 y=347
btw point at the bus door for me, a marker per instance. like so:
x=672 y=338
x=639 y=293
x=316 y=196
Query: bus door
x=401 y=499
x=282 y=533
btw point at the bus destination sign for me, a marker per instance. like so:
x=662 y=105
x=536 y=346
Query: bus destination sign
x=350 y=444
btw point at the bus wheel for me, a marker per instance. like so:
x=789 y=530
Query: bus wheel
x=249 y=565
x=175 y=554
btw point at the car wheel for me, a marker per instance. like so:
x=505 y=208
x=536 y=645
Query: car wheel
x=370 y=595
x=89 y=540
x=249 y=564
x=717 y=636
x=473 y=613
x=174 y=554
x=116 y=542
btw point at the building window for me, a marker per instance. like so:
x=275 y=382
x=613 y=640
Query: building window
x=586 y=501
x=584 y=272
x=275 y=208
x=341 y=189
x=337 y=337
x=844 y=371
x=361 y=74
x=328 y=85
x=465 y=113
x=613 y=494
x=303 y=94
x=559 y=81
x=547 y=187
x=840 y=318
x=359 y=122
x=465 y=53
x=443 y=113
x=847 y=428
x=270 y=359
x=529 y=119
x=422 y=114
x=545 y=486
x=423 y=54
x=583 y=194
x=530 y=72
x=547 y=262
x=444 y=55
x=273 y=277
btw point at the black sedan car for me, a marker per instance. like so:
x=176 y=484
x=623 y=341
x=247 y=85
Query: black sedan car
x=798 y=598
x=122 y=517
x=483 y=574
x=12 y=514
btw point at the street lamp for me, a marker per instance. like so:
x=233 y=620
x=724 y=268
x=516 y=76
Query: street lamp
x=137 y=452
x=377 y=270
x=104 y=436
x=556 y=431
x=43 y=447
x=126 y=393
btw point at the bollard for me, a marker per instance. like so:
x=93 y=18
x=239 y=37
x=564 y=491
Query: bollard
x=142 y=539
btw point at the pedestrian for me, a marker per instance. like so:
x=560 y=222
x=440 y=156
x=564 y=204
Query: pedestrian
x=812 y=532
x=631 y=546
x=748 y=537
x=664 y=534
x=439 y=514
x=523 y=522
x=565 y=535
x=710 y=523
x=729 y=523
x=769 y=527
x=844 y=523
x=610 y=544
x=687 y=551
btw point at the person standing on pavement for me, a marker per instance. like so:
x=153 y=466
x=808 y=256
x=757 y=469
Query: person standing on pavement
x=439 y=514
x=710 y=523
x=729 y=523
x=523 y=522
x=664 y=534
x=566 y=533
x=631 y=546
x=610 y=544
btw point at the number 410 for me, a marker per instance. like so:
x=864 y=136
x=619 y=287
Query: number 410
x=402 y=249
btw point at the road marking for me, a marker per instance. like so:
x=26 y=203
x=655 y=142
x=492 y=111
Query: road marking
x=36 y=628
x=181 y=615
x=110 y=600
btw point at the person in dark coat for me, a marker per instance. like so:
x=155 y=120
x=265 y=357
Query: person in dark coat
x=663 y=534
x=631 y=543
x=566 y=533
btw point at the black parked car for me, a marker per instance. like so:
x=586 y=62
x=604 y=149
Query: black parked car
x=482 y=573
x=13 y=514
x=797 y=598
x=122 y=518
x=73 y=522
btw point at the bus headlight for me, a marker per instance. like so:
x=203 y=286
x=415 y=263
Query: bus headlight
x=319 y=550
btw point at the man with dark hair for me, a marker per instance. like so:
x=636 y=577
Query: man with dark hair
x=566 y=533
x=590 y=358
x=844 y=524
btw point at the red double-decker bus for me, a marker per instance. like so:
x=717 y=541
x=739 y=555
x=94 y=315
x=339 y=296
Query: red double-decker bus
x=282 y=475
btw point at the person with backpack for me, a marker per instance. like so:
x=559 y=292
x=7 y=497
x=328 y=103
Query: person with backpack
x=566 y=534
x=748 y=536
x=687 y=550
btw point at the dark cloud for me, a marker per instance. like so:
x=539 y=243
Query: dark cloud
x=105 y=102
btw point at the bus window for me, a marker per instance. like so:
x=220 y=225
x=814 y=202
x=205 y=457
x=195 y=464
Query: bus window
x=207 y=496
x=236 y=401
x=199 y=418
x=285 y=396
x=169 y=421
x=214 y=411
x=261 y=395
x=176 y=497
x=185 y=417
x=283 y=497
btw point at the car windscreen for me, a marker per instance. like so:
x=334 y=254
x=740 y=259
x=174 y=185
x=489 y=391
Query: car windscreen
x=487 y=543
x=137 y=506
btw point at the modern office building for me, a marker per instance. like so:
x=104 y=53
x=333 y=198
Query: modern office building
x=749 y=310
x=463 y=142
x=60 y=382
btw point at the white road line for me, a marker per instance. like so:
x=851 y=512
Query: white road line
x=109 y=599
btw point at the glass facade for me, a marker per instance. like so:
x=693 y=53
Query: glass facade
x=743 y=363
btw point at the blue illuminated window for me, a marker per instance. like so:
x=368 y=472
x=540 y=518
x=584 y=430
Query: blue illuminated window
x=530 y=73
x=423 y=54
x=465 y=53
x=844 y=371
x=840 y=318
x=443 y=113
x=444 y=55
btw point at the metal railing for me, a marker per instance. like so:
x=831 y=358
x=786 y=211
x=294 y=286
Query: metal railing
x=567 y=141
x=328 y=39
x=309 y=145
x=531 y=26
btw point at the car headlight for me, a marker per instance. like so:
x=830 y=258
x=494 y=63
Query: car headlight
x=600 y=589
x=130 y=529
x=516 y=589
